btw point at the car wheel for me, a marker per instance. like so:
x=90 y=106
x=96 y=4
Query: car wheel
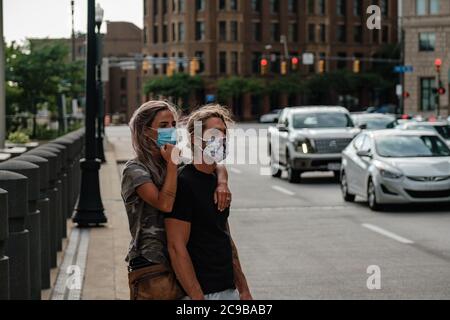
x=276 y=171
x=344 y=188
x=372 y=197
x=294 y=176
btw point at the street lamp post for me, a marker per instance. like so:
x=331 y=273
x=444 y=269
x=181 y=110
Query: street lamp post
x=2 y=82
x=90 y=207
x=99 y=13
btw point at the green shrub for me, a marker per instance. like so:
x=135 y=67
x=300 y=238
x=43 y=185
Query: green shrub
x=18 y=137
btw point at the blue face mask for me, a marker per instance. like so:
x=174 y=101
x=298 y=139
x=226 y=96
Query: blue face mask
x=166 y=136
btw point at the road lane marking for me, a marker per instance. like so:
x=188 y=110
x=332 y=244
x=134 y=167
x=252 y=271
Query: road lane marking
x=387 y=233
x=234 y=170
x=283 y=190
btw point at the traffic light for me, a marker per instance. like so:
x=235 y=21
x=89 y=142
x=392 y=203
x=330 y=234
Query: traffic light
x=146 y=65
x=441 y=91
x=284 y=66
x=321 y=66
x=264 y=66
x=356 y=66
x=438 y=64
x=406 y=95
x=294 y=63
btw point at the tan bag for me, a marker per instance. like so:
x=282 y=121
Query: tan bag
x=157 y=282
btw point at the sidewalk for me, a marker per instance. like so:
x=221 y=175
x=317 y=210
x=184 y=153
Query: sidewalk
x=97 y=255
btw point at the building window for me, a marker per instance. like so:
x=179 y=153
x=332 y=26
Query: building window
x=180 y=6
x=376 y=36
x=357 y=8
x=180 y=31
x=421 y=7
x=311 y=5
x=293 y=32
x=323 y=33
x=123 y=101
x=174 y=5
x=256 y=5
x=164 y=35
x=256 y=31
x=341 y=35
x=222 y=30
x=164 y=7
x=342 y=62
x=145 y=8
x=200 y=5
x=322 y=7
x=275 y=31
x=256 y=60
x=427 y=41
x=222 y=62
x=427 y=97
x=155 y=34
x=274 y=6
x=144 y=35
x=384 y=8
x=233 y=5
x=340 y=7
x=435 y=6
x=222 y=5
x=357 y=34
x=199 y=30
x=234 y=31
x=164 y=65
x=155 y=66
x=292 y=6
x=123 y=83
x=174 y=32
x=235 y=62
x=201 y=60
x=180 y=62
x=275 y=62
x=311 y=32
x=155 y=7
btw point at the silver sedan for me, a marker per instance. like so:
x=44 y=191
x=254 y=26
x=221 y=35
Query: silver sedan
x=396 y=166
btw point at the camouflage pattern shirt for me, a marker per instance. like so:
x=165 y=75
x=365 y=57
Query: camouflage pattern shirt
x=146 y=222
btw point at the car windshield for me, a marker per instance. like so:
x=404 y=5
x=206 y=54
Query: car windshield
x=411 y=146
x=377 y=123
x=444 y=131
x=322 y=120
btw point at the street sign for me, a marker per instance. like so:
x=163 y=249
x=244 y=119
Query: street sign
x=399 y=90
x=403 y=69
x=308 y=58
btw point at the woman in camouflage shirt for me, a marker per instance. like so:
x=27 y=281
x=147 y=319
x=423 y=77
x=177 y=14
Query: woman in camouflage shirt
x=149 y=184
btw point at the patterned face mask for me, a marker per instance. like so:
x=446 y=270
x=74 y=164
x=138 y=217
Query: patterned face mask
x=216 y=150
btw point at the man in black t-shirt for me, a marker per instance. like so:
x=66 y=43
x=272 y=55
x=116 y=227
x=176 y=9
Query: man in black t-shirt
x=202 y=252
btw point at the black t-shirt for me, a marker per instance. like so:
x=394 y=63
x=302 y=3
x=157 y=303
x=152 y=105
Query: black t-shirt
x=209 y=243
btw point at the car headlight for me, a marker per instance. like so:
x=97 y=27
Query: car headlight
x=390 y=174
x=304 y=146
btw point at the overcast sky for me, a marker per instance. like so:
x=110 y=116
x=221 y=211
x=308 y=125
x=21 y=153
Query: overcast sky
x=52 y=18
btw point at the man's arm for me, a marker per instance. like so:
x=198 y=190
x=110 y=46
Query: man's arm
x=222 y=196
x=177 y=238
x=239 y=278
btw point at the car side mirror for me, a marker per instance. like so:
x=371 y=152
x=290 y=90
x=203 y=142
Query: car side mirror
x=282 y=128
x=364 y=154
x=363 y=126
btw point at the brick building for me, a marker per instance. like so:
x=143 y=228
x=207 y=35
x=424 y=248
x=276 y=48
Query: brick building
x=230 y=37
x=427 y=38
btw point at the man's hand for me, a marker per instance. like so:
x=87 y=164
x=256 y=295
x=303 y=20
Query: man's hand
x=222 y=196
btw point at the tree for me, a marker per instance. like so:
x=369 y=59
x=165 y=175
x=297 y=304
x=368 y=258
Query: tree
x=180 y=85
x=38 y=74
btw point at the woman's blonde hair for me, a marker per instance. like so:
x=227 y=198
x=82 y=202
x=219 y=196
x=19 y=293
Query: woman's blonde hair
x=146 y=150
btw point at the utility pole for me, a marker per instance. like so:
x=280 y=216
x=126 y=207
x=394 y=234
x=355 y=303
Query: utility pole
x=401 y=37
x=2 y=83
x=72 y=3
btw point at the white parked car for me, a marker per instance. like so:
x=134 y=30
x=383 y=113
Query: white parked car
x=396 y=166
x=443 y=128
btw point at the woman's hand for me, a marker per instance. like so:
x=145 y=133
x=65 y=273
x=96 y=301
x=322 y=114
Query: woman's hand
x=222 y=196
x=171 y=154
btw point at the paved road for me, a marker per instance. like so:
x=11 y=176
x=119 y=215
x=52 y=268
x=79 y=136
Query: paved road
x=303 y=241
